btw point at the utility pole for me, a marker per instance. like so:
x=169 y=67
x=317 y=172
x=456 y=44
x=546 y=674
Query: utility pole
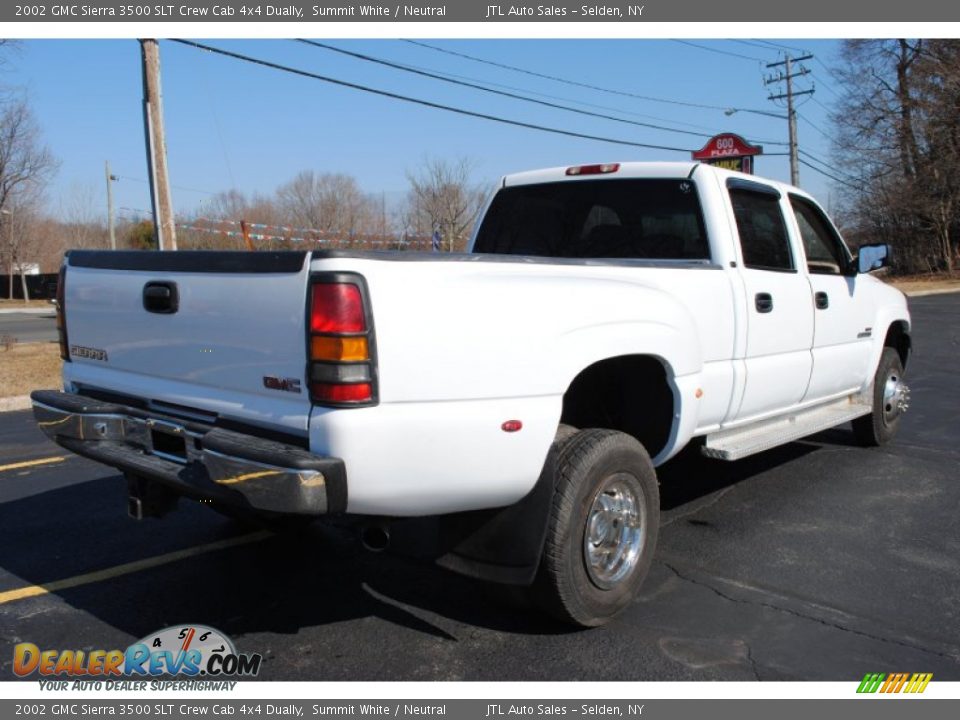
x=5 y=216
x=163 y=223
x=110 y=179
x=787 y=75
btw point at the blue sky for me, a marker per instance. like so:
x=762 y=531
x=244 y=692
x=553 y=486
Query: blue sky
x=232 y=124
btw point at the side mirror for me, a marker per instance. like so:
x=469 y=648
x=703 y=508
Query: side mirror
x=872 y=257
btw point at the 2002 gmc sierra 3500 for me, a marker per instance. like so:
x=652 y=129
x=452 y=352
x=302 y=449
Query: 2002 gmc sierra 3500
x=605 y=317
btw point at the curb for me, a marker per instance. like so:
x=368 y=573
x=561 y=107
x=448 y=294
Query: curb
x=922 y=293
x=29 y=311
x=18 y=402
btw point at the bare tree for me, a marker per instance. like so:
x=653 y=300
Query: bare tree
x=897 y=127
x=21 y=225
x=25 y=167
x=443 y=199
x=879 y=106
x=82 y=216
x=228 y=205
x=331 y=203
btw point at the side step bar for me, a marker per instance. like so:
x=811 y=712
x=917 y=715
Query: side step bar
x=739 y=442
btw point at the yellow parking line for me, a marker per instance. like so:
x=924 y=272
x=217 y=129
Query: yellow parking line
x=31 y=463
x=127 y=568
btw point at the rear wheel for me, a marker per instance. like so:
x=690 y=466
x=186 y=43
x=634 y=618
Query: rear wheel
x=602 y=529
x=891 y=398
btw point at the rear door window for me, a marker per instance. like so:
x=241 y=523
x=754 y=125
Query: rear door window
x=632 y=218
x=762 y=230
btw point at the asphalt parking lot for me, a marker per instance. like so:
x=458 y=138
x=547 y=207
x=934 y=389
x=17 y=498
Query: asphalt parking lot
x=819 y=560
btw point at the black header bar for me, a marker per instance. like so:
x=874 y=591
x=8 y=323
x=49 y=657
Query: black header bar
x=640 y=11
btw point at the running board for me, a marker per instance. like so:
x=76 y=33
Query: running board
x=740 y=442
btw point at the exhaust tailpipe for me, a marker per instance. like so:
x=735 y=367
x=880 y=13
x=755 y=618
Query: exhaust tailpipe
x=375 y=538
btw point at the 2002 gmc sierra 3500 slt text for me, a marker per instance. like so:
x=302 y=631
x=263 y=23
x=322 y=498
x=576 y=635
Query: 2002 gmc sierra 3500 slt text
x=605 y=317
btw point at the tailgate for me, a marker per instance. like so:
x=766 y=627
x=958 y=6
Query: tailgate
x=220 y=332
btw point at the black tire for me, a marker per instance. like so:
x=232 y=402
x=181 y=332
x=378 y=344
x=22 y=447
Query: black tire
x=564 y=432
x=597 y=470
x=879 y=427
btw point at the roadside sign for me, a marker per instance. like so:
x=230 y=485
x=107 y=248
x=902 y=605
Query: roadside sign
x=730 y=151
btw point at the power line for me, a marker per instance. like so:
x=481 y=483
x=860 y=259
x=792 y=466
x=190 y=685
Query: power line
x=752 y=43
x=780 y=46
x=178 y=187
x=832 y=73
x=719 y=51
x=708 y=131
x=575 y=83
x=502 y=93
x=216 y=123
x=826 y=85
x=825 y=164
x=849 y=175
x=418 y=101
x=814 y=126
x=834 y=77
x=832 y=177
x=574 y=101
x=817 y=102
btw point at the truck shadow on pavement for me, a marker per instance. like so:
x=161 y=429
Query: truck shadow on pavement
x=690 y=476
x=280 y=583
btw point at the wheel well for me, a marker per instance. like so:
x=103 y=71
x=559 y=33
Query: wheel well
x=630 y=393
x=898 y=338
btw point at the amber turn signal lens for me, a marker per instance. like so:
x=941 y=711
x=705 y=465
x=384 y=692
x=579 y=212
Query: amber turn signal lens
x=339 y=349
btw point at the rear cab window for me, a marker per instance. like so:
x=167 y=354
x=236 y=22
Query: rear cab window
x=655 y=219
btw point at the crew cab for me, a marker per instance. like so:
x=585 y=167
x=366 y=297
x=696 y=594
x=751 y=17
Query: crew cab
x=605 y=317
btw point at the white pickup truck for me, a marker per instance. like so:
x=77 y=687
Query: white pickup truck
x=605 y=317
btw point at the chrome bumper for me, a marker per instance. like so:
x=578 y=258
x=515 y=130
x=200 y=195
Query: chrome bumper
x=195 y=459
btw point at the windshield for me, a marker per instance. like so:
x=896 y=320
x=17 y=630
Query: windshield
x=633 y=218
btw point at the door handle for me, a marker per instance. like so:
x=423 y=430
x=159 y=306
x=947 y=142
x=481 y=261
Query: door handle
x=763 y=302
x=161 y=297
x=822 y=300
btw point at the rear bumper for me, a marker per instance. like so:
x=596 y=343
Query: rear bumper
x=194 y=459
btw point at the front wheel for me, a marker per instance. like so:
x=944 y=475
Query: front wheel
x=891 y=397
x=602 y=529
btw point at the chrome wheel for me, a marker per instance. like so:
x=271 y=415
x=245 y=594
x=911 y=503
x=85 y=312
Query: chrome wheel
x=613 y=537
x=896 y=397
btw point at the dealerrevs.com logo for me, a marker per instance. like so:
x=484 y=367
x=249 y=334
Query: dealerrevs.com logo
x=180 y=650
x=888 y=683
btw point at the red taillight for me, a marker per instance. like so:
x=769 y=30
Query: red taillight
x=593 y=169
x=341 y=358
x=62 y=314
x=333 y=393
x=336 y=308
